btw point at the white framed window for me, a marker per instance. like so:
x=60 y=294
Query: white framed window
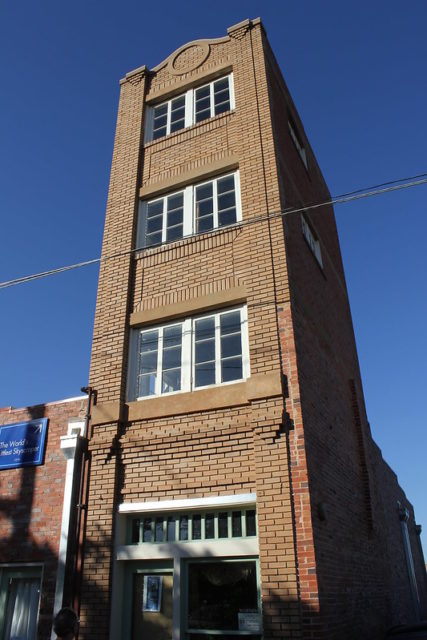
x=297 y=142
x=195 y=209
x=186 y=109
x=213 y=98
x=312 y=240
x=191 y=354
x=19 y=601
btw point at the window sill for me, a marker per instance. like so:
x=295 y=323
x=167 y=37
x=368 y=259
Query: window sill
x=219 y=397
x=189 y=402
x=257 y=387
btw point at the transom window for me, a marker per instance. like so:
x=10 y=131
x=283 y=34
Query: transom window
x=195 y=105
x=193 y=526
x=190 y=354
x=195 y=209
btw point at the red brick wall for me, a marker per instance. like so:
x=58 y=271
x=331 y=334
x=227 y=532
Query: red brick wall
x=32 y=499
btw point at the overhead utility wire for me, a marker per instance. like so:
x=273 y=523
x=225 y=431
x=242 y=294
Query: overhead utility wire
x=351 y=196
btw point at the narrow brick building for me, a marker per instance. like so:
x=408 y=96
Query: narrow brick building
x=235 y=490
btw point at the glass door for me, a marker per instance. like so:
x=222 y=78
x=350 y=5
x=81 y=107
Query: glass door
x=152 y=606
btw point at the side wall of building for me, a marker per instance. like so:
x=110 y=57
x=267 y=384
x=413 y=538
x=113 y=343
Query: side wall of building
x=350 y=492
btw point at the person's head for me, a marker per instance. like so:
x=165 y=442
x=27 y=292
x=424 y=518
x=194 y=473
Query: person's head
x=65 y=623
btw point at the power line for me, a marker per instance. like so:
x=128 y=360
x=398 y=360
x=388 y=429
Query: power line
x=359 y=194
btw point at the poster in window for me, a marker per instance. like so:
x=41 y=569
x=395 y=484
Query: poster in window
x=152 y=598
x=249 y=620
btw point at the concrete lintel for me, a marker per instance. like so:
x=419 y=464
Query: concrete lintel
x=234 y=295
x=228 y=163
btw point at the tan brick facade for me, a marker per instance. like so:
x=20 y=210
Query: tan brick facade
x=287 y=433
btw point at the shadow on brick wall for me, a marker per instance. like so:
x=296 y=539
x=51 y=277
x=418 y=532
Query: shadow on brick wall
x=20 y=547
x=28 y=519
x=281 y=615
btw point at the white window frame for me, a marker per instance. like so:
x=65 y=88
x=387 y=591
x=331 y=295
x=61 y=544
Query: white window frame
x=187 y=354
x=190 y=110
x=311 y=239
x=218 y=360
x=185 y=346
x=189 y=216
x=211 y=86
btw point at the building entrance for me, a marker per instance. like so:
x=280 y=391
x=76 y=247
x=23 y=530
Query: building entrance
x=152 y=606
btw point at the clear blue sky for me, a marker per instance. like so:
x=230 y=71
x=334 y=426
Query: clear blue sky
x=357 y=72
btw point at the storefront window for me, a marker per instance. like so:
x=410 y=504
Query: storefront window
x=223 y=598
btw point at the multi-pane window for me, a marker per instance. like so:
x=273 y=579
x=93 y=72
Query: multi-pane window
x=212 y=99
x=190 y=354
x=193 y=526
x=160 y=358
x=297 y=141
x=168 y=117
x=215 y=204
x=312 y=240
x=195 y=105
x=164 y=219
x=19 y=602
x=218 y=349
x=195 y=209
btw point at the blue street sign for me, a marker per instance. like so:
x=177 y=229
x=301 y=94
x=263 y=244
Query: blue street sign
x=22 y=444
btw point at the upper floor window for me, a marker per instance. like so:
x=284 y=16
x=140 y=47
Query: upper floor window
x=312 y=240
x=190 y=354
x=168 y=117
x=190 y=107
x=297 y=141
x=195 y=209
x=212 y=99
